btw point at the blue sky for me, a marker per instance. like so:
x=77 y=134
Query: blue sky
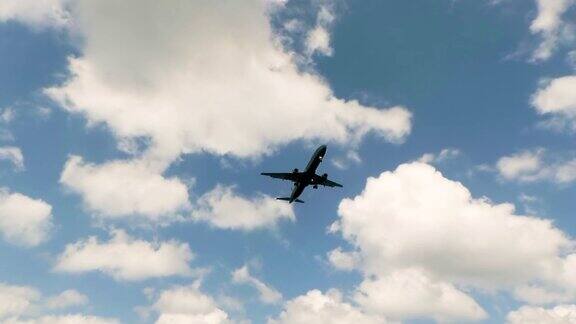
x=132 y=135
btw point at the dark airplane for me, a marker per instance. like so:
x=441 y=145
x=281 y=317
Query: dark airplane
x=308 y=177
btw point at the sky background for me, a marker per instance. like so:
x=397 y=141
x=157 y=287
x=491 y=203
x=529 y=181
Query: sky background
x=132 y=135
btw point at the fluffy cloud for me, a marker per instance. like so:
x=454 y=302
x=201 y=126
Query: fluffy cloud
x=563 y=314
x=318 y=38
x=557 y=99
x=223 y=208
x=26 y=305
x=187 y=304
x=524 y=166
x=529 y=166
x=316 y=307
x=268 y=294
x=550 y=25
x=125 y=258
x=13 y=155
x=67 y=298
x=425 y=238
x=412 y=294
x=16 y=300
x=23 y=220
x=230 y=89
x=125 y=188
x=36 y=13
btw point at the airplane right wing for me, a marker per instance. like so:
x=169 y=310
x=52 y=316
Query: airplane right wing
x=284 y=176
x=325 y=182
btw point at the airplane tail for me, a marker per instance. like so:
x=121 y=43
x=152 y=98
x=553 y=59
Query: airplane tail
x=288 y=199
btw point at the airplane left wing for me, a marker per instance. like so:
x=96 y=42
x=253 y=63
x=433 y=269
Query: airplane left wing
x=325 y=182
x=283 y=176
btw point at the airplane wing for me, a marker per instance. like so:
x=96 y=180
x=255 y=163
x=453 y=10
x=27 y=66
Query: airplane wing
x=284 y=176
x=325 y=182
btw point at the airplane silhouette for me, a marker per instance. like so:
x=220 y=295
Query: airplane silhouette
x=308 y=177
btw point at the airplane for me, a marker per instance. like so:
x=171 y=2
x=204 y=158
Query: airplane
x=308 y=177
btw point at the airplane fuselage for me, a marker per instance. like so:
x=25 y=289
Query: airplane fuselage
x=307 y=177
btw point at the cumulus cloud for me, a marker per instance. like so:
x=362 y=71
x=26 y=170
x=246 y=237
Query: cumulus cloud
x=415 y=229
x=343 y=260
x=523 y=166
x=268 y=294
x=317 y=307
x=223 y=208
x=562 y=314
x=412 y=294
x=25 y=304
x=36 y=13
x=230 y=89
x=24 y=220
x=557 y=99
x=187 y=304
x=125 y=188
x=550 y=25
x=67 y=298
x=16 y=300
x=126 y=258
x=530 y=166
x=13 y=155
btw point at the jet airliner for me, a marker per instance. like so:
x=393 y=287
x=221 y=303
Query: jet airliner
x=307 y=177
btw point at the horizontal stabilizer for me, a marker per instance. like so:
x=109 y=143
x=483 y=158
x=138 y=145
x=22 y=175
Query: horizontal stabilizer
x=288 y=199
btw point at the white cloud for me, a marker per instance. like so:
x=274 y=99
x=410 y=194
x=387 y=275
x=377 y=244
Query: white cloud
x=549 y=23
x=318 y=38
x=187 y=304
x=36 y=13
x=67 y=298
x=524 y=166
x=230 y=89
x=530 y=166
x=316 y=307
x=125 y=188
x=445 y=154
x=125 y=258
x=23 y=220
x=557 y=98
x=268 y=294
x=412 y=294
x=16 y=300
x=351 y=157
x=562 y=314
x=318 y=41
x=13 y=155
x=343 y=260
x=64 y=319
x=7 y=115
x=414 y=223
x=223 y=208
x=25 y=304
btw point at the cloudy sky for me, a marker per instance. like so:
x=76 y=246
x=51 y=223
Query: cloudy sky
x=133 y=132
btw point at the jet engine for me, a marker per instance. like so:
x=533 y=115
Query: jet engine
x=295 y=170
x=325 y=176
